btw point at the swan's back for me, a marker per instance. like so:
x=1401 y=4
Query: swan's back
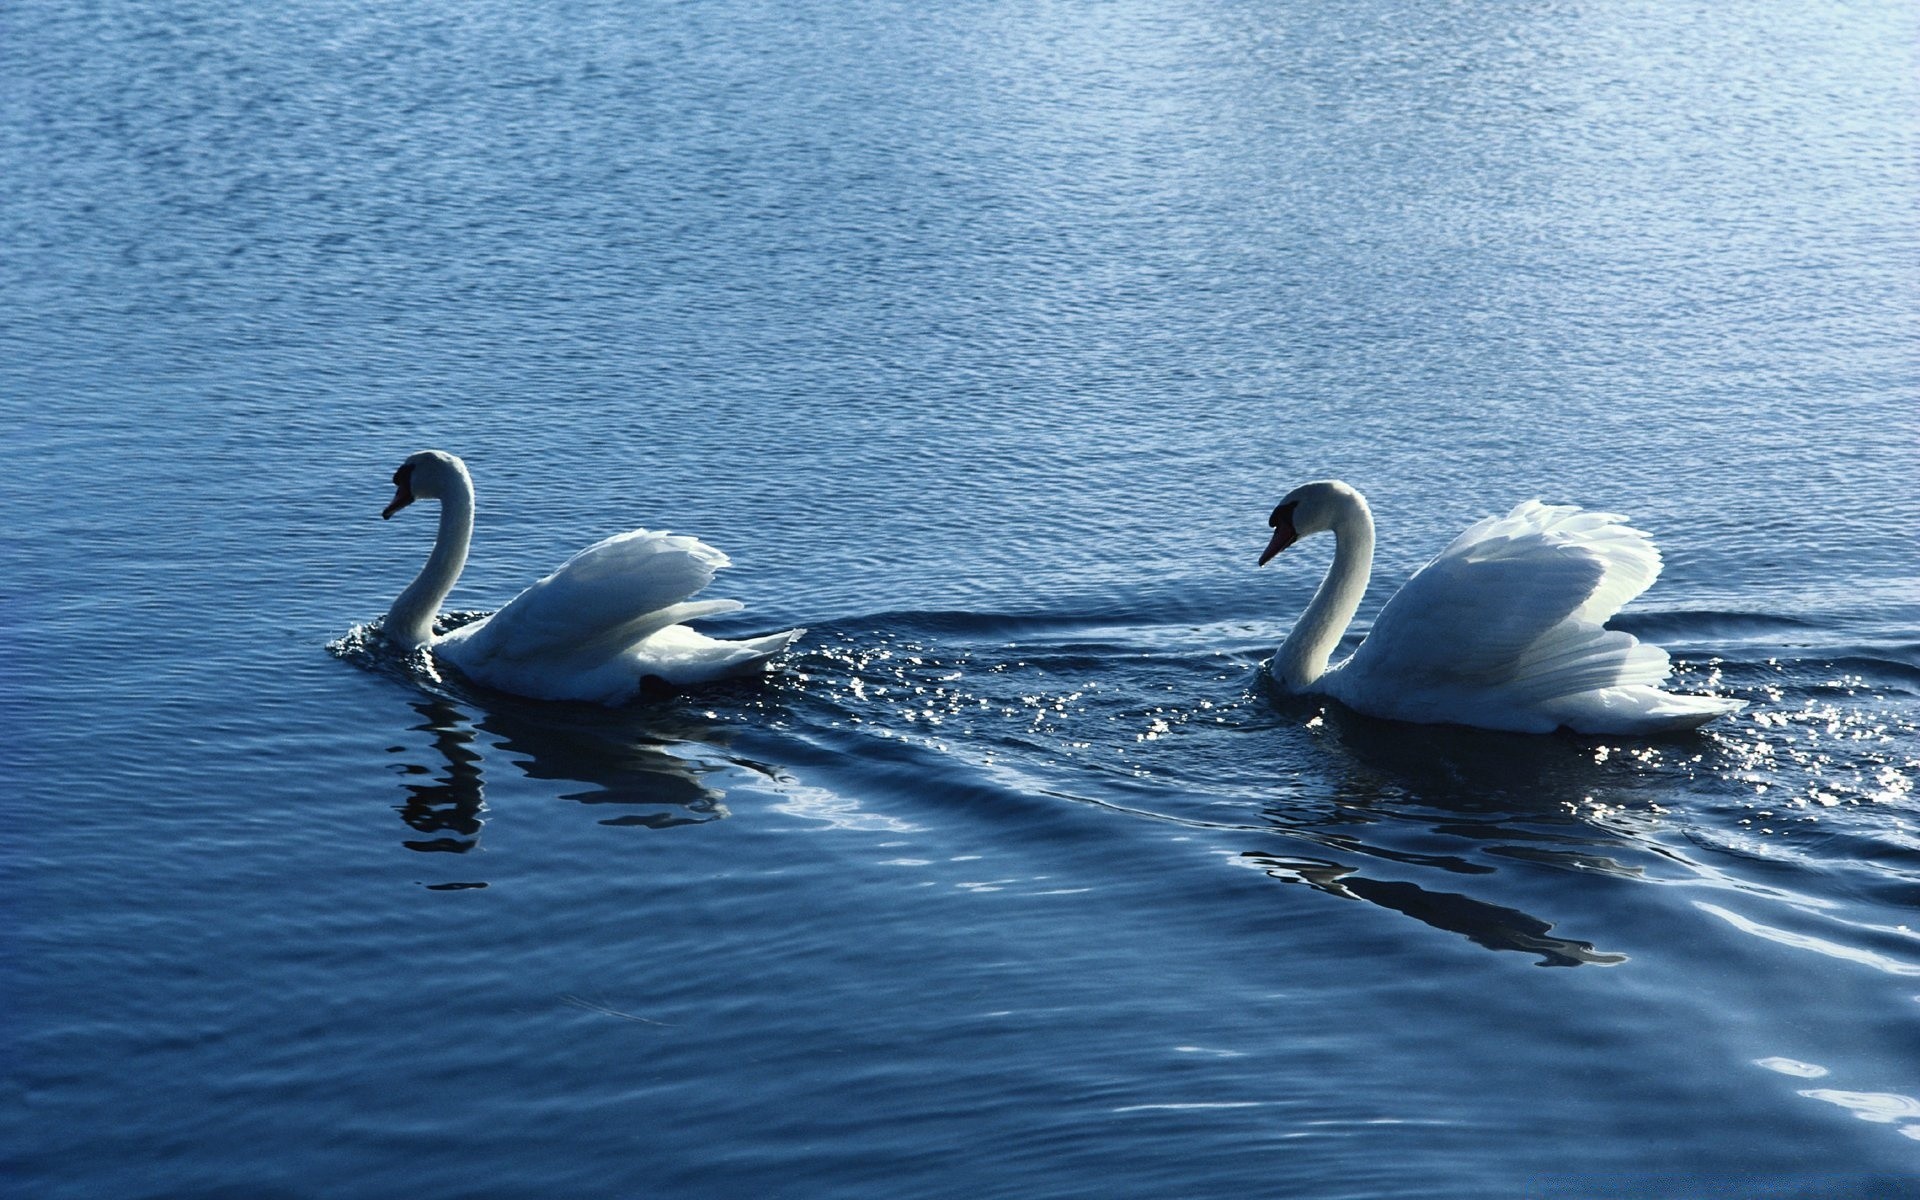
x=591 y=605
x=1503 y=629
x=608 y=618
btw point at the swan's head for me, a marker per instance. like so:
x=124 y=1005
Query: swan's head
x=1308 y=509
x=428 y=475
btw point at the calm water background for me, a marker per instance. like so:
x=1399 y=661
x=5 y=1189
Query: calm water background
x=983 y=339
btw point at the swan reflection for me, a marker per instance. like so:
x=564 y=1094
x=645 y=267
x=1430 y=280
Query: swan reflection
x=1491 y=925
x=623 y=762
x=1460 y=796
x=447 y=810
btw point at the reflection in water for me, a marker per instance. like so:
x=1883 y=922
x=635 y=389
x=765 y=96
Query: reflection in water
x=1506 y=796
x=448 y=809
x=625 y=757
x=1472 y=804
x=1882 y=1108
x=1489 y=925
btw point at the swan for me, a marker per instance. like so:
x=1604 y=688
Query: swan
x=596 y=629
x=1502 y=630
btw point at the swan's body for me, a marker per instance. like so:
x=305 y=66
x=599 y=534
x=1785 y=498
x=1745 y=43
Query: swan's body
x=596 y=629
x=1504 y=629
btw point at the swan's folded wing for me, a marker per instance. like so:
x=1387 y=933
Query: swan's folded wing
x=605 y=598
x=1628 y=560
x=1517 y=602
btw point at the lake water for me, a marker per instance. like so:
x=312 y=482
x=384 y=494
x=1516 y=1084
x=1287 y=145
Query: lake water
x=983 y=339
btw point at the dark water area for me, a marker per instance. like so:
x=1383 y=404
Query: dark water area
x=983 y=340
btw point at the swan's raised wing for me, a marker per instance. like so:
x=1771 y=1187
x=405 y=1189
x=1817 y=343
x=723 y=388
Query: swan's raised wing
x=601 y=601
x=1516 y=603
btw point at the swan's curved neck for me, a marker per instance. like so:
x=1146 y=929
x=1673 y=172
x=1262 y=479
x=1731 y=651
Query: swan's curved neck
x=410 y=620
x=1302 y=658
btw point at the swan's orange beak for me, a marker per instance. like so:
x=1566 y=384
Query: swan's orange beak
x=1283 y=532
x=402 y=493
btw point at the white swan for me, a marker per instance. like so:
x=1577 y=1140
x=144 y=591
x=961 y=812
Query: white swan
x=593 y=630
x=1502 y=630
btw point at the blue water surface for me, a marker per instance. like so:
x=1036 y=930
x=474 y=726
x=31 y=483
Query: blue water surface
x=983 y=339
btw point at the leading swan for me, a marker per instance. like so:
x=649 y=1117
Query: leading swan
x=1502 y=630
x=595 y=629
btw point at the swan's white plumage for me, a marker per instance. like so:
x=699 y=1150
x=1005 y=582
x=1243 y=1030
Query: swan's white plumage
x=595 y=629
x=1504 y=628
x=610 y=615
x=604 y=598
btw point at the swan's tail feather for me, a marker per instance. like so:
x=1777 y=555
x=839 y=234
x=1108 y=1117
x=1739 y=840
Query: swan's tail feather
x=771 y=644
x=683 y=656
x=1641 y=710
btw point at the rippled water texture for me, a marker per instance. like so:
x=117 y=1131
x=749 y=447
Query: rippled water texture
x=983 y=339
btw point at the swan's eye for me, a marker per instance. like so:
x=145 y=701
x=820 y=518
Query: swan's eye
x=401 y=476
x=1283 y=512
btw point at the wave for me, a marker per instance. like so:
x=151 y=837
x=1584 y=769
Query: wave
x=1024 y=719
